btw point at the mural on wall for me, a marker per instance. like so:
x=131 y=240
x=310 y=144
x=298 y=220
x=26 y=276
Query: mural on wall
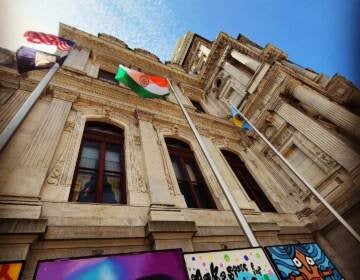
x=240 y=264
x=302 y=262
x=159 y=265
x=10 y=270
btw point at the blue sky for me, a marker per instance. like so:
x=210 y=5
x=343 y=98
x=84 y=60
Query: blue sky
x=320 y=34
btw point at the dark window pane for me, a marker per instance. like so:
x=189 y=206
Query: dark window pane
x=175 y=160
x=111 y=188
x=107 y=77
x=190 y=180
x=198 y=106
x=174 y=143
x=202 y=195
x=112 y=158
x=186 y=192
x=101 y=156
x=90 y=154
x=85 y=186
x=104 y=128
x=248 y=182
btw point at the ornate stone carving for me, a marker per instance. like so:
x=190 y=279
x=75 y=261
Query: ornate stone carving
x=291 y=85
x=56 y=173
x=306 y=212
x=284 y=136
x=175 y=130
x=144 y=115
x=272 y=53
x=325 y=161
x=135 y=161
x=69 y=126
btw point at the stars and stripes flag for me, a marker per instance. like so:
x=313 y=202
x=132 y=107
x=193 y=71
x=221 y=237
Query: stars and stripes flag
x=48 y=39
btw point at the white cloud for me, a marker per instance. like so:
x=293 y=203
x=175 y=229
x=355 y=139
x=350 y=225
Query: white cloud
x=150 y=25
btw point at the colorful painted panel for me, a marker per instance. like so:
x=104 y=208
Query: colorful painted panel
x=159 y=265
x=241 y=264
x=302 y=262
x=10 y=270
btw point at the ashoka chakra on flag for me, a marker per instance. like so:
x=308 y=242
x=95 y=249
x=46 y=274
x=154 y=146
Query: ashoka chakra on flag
x=145 y=85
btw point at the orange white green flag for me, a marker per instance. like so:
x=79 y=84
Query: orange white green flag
x=145 y=85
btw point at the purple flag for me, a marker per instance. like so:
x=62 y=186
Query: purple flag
x=28 y=59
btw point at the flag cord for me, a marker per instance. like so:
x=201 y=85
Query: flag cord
x=303 y=180
x=230 y=199
x=15 y=122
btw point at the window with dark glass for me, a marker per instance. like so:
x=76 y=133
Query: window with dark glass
x=107 y=77
x=191 y=182
x=198 y=106
x=99 y=175
x=248 y=182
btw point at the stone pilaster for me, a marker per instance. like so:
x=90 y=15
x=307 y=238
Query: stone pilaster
x=154 y=166
x=171 y=234
x=28 y=177
x=11 y=107
x=321 y=137
x=326 y=108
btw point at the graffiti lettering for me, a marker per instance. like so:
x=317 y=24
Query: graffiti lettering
x=231 y=272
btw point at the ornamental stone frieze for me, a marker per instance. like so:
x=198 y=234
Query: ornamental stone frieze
x=343 y=91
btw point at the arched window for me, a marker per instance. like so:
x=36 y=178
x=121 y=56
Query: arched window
x=191 y=182
x=248 y=182
x=99 y=176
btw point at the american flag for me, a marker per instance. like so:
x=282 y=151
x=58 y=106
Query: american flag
x=49 y=39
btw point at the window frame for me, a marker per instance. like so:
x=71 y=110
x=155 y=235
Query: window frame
x=248 y=182
x=185 y=155
x=107 y=77
x=103 y=139
x=198 y=107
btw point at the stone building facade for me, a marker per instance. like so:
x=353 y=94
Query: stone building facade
x=311 y=118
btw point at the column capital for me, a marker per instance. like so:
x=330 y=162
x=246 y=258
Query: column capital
x=291 y=85
x=144 y=115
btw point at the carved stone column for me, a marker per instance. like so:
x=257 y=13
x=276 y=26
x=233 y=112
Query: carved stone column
x=156 y=179
x=28 y=177
x=328 y=109
x=9 y=109
x=332 y=145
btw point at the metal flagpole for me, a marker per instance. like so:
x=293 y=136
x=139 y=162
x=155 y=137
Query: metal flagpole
x=236 y=210
x=26 y=107
x=302 y=179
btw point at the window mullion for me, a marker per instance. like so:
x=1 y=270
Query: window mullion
x=123 y=197
x=100 y=180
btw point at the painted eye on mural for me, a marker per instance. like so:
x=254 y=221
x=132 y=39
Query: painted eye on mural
x=310 y=261
x=297 y=262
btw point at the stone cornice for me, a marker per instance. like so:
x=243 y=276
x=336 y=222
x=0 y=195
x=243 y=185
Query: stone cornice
x=71 y=86
x=299 y=77
x=124 y=55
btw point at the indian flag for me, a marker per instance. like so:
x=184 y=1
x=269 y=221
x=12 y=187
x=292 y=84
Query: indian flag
x=145 y=85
